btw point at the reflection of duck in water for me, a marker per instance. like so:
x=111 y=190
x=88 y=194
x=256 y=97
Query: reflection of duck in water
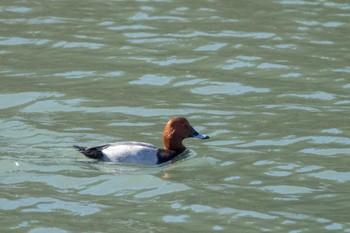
x=176 y=130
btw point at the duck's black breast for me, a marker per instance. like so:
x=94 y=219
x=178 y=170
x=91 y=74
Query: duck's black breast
x=167 y=155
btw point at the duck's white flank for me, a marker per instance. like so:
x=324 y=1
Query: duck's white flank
x=131 y=152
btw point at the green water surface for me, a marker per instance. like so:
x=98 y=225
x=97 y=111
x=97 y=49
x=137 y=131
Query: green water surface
x=268 y=81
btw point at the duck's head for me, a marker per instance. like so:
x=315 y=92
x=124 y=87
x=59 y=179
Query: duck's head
x=178 y=129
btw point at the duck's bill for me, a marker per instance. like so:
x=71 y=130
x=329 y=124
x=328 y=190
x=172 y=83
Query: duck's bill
x=195 y=134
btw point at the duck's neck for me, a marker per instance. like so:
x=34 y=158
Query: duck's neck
x=173 y=143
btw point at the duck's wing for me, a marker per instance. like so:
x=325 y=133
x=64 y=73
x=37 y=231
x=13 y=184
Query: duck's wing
x=129 y=143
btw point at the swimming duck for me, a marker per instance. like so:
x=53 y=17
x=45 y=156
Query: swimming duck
x=176 y=130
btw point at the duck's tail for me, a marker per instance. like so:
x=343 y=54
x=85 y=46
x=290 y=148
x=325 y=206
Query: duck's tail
x=80 y=148
x=90 y=152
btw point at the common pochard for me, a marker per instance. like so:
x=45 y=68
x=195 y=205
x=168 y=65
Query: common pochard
x=176 y=130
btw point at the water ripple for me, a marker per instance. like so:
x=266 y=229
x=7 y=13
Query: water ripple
x=17 y=9
x=17 y=99
x=211 y=47
x=75 y=74
x=144 y=16
x=22 y=41
x=151 y=79
x=146 y=187
x=225 y=33
x=168 y=61
x=236 y=213
x=340 y=177
x=287 y=189
x=231 y=88
x=131 y=27
x=326 y=152
x=66 y=44
x=49 y=205
x=292 y=139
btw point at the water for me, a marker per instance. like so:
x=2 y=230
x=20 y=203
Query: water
x=267 y=80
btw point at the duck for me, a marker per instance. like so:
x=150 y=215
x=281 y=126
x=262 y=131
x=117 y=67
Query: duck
x=175 y=131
